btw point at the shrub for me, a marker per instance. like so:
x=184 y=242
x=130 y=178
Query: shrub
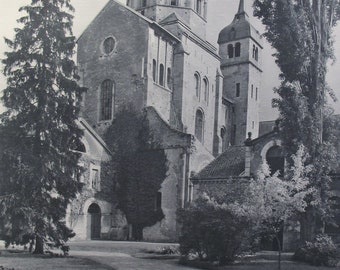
x=211 y=231
x=321 y=251
x=169 y=250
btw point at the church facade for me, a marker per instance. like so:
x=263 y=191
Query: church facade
x=200 y=100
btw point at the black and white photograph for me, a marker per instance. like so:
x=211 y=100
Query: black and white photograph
x=170 y=134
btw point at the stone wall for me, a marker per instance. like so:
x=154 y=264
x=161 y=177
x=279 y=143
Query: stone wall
x=124 y=66
x=245 y=71
x=205 y=64
x=77 y=216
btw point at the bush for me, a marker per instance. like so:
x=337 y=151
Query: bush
x=169 y=250
x=321 y=251
x=212 y=232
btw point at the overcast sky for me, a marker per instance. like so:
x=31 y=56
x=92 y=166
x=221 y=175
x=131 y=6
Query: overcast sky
x=220 y=14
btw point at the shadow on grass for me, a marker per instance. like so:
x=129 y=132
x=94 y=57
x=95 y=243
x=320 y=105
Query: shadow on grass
x=13 y=260
x=255 y=265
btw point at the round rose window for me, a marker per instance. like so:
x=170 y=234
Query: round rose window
x=109 y=45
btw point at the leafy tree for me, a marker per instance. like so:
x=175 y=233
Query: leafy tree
x=139 y=167
x=39 y=128
x=300 y=31
x=270 y=201
x=213 y=231
x=218 y=225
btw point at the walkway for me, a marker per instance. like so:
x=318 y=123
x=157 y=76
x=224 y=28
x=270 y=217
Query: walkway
x=124 y=255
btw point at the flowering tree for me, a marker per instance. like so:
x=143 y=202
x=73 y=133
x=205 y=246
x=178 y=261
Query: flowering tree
x=270 y=200
x=255 y=206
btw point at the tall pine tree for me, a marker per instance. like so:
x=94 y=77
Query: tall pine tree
x=301 y=31
x=39 y=130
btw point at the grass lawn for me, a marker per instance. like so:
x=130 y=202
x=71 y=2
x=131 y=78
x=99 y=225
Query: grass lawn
x=273 y=266
x=262 y=265
x=25 y=261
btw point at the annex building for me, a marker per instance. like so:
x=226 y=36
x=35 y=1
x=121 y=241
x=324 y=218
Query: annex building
x=201 y=101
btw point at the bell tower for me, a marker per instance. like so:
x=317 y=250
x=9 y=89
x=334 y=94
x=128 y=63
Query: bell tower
x=192 y=12
x=240 y=48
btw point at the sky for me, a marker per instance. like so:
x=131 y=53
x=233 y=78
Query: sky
x=220 y=14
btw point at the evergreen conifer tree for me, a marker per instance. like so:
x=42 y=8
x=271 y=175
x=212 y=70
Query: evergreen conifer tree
x=39 y=129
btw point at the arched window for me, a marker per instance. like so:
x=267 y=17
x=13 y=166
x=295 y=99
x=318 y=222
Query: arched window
x=237 y=49
x=199 y=6
x=206 y=89
x=80 y=147
x=161 y=74
x=154 y=68
x=199 y=125
x=106 y=100
x=223 y=138
x=168 y=78
x=275 y=160
x=257 y=54
x=197 y=85
x=230 y=51
x=77 y=145
x=205 y=9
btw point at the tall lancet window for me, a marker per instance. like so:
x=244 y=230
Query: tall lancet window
x=161 y=74
x=198 y=7
x=206 y=89
x=106 y=100
x=237 y=49
x=197 y=85
x=230 y=51
x=199 y=125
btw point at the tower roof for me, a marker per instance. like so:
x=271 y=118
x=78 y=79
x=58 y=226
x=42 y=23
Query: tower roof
x=241 y=9
x=239 y=28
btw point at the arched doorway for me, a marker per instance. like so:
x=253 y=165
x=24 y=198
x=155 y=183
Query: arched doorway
x=95 y=217
x=275 y=159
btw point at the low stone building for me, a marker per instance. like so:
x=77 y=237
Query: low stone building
x=230 y=173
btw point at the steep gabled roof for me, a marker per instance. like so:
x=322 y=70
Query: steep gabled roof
x=173 y=18
x=150 y=22
x=229 y=163
x=83 y=124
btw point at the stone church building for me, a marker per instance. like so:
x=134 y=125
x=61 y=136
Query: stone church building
x=201 y=101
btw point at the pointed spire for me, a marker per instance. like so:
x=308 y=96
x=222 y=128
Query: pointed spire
x=241 y=7
x=241 y=13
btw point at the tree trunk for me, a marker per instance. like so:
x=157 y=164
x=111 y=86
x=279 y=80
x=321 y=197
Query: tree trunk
x=137 y=232
x=39 y=245
x=279 y=249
